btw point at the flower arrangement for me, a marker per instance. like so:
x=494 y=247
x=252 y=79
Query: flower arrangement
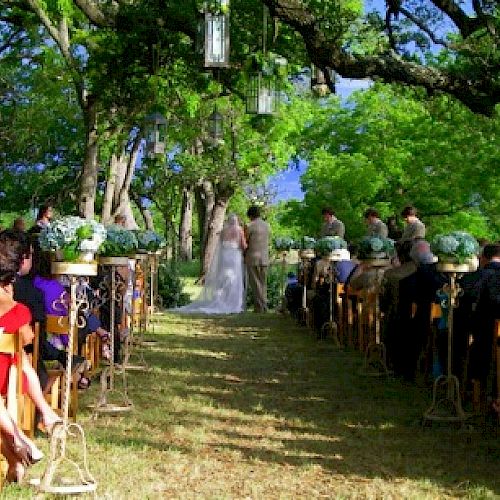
x=149 y=241
x=284 y=244
x=375 y=247
x=74 y=237
x=330 y=244
x=119 y=242
x=307 y=243
x=458 y=246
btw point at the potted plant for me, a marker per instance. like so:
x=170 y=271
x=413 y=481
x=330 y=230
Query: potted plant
x=457 y=251
x=376 y=248
x=307 y=245
x=149 y=241
x=73 y=239
x=332 y=248
x=119 y=244
x=283 y=244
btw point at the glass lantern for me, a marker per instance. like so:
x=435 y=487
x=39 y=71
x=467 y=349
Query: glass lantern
x=216 y=125
x=156 y=134
x=213 y=34
x=262 y=95
x=319 y=84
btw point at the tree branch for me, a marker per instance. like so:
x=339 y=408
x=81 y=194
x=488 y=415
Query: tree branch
x=95 y=14
x=420 y=24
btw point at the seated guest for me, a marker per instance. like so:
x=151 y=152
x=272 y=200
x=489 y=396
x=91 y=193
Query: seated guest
x=396 y=304
x=293 y=294
x=487 y=312
x=375 y=227
x=415 y=228
x=43 y=219
x=331 y=225
x=15 y=319
x=421 y=288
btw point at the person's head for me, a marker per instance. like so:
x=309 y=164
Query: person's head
x=403 y=250
x=409 y=213
x=490 y=253
x=120 y=220
x=21 y=244
x=371 y=215
x=45 y=212
x=328 y=214
x=19 y=225
x=253 y=212
x=43 y=266
x=14 y=250
x=421 y=253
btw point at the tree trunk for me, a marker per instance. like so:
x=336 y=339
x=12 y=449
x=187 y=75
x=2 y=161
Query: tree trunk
x=107 y=204
x=90 y=170
x=214 y=228
x=186 y=226
x=147 y=216
x=205 y=204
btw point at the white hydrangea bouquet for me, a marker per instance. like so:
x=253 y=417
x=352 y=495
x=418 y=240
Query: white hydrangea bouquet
x=73 y=238
x=456 y=247
x=333 y=248
x=150 y=241
x=120 y=242
x=376 y=247
x=284 y=244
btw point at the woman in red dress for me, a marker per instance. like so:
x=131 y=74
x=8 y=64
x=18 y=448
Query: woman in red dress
x=15 y=319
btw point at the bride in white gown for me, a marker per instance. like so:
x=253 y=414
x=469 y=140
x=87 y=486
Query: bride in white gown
x=224 y=289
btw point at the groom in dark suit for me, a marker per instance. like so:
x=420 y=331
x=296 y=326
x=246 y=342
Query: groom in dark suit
x=257 y=257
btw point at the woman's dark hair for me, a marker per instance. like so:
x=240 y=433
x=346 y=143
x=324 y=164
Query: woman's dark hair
x=10 y=257
x=327 y=210
x=409 y=210
x=43 y=210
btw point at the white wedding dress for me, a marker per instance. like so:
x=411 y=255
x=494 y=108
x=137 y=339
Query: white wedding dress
x=224 y=289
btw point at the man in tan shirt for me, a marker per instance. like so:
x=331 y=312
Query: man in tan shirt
x=257 y=257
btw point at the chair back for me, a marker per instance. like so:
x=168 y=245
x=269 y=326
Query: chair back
x=11 y=344
x=57 y=325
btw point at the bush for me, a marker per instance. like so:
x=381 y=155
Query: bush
x=170 y=287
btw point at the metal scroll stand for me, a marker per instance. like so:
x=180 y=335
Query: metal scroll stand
x=375 y=364
x=446 y=402
x=112 y=291
x=150 y=293
x=306 y=257
x=137 y=329
x=63 y=475
x=330 y=327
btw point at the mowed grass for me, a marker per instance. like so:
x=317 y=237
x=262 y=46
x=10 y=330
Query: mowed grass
x=253 y=407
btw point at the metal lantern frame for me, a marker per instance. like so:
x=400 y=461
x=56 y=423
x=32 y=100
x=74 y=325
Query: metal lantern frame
x=319 y=84
x=216 y=125
x=213 y=42
x=156 y=134
x=262 y=96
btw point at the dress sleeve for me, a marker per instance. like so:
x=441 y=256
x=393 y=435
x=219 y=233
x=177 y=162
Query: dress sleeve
x=23 y=314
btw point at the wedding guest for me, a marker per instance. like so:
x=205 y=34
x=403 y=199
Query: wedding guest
x=15 y=319
x=415 y=228
x=375 y=227
x=331 y=225
x=45 y=214
x=487 y=312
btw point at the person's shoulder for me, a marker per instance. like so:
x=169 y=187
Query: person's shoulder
x=22 y=313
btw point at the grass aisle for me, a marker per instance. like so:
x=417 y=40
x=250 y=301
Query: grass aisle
x=251 y=406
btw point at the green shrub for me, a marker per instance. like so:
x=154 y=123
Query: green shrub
x=170 y=287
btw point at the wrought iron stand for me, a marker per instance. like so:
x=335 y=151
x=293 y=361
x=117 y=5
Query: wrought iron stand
x=64 y=475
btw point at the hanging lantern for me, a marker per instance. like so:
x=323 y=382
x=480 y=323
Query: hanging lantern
x=262 y=94
x=213 y=34
x=156 y=134
x=216 y=125
x=319 y=84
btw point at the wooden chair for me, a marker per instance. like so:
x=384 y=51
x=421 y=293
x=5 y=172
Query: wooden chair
x=91 y=351
x=59 y=325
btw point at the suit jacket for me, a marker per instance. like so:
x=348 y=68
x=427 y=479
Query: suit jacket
x=335 y=228
x=414 y=230
x=257 y=254
x=377 y=228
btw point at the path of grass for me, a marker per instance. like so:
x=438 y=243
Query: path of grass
x=250 y=406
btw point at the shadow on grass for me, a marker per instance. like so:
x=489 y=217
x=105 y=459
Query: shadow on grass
x=310 y=404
